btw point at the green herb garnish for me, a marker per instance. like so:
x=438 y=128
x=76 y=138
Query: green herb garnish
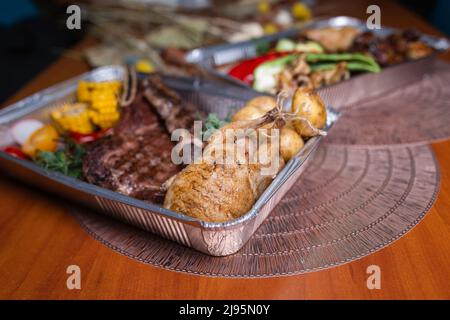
x=212 y=123
x=68 y=160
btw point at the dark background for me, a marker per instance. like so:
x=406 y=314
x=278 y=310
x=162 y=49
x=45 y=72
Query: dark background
x=33 y=34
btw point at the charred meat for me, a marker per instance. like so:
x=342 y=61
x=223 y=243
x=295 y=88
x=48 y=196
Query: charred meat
x=136 y=158
x=395 y=48
x=168 y=104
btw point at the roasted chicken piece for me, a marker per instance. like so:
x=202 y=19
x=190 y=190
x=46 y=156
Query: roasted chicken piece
x=333 y=39
x=218 y=192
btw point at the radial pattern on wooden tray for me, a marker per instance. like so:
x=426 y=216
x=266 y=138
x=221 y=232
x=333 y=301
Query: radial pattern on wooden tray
x=348 y=203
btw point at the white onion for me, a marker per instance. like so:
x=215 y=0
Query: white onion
x=23 y=129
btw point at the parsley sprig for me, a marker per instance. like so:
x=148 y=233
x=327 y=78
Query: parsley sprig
x=68 y=160
x=212 y=123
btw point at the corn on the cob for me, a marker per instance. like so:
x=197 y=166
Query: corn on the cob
x=85 y=89
x=102 y=97
x=103 y=110
x=73 y=117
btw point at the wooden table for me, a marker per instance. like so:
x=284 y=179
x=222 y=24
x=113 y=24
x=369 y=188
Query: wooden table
x=39 y=239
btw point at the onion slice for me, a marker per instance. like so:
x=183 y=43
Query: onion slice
x=23 y=129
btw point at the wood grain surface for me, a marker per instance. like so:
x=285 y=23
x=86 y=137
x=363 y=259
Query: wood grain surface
x=39 y=239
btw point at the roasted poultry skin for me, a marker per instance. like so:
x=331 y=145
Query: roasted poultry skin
x=218 y=192
x=215 y=192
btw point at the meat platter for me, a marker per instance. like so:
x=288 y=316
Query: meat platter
x=337 y=56
x=115 y=163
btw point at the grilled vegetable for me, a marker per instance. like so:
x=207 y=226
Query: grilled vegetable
x=247 y=113
x=358 y=61
x=265 y=75
x=103 y=104
x=73 y=117
x=290 y=143
x=290 y=45
x=43 y=139
x=263 y=103
x=309 y=46
x=81 y=138
x=244 y=71
x=86 y=88
x=285 y=45
x=254 y=109
x=307 y=104
x=104 y=111
x=23 y=129
x=359 y=66
x=15 y=152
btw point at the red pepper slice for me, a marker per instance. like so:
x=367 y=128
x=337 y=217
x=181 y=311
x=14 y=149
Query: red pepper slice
x=81 y=138
x=15 y=152
x=244 y=70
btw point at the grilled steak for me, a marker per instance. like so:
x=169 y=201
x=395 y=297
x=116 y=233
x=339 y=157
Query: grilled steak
x=136 y=158
x=168 y=104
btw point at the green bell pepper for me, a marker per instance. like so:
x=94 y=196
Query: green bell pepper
x=265 y=74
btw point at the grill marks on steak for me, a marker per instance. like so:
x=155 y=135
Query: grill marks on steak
x=136 y=159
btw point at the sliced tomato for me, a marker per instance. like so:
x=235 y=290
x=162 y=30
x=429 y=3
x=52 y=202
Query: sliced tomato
x=244 y=70
x=15 y=151
x=81 y=138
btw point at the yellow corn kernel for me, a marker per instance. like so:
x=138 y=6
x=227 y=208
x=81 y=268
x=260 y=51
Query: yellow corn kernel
x=83 y=91
x=73 y=117
x=103 y=119
x=103 y=104
x=86 y=89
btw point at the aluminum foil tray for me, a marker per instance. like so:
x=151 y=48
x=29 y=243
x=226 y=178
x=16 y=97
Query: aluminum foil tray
x=363 y=86
x=218 y=239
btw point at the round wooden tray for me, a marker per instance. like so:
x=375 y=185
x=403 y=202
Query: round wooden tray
x=349 y=203
x=415 y=114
